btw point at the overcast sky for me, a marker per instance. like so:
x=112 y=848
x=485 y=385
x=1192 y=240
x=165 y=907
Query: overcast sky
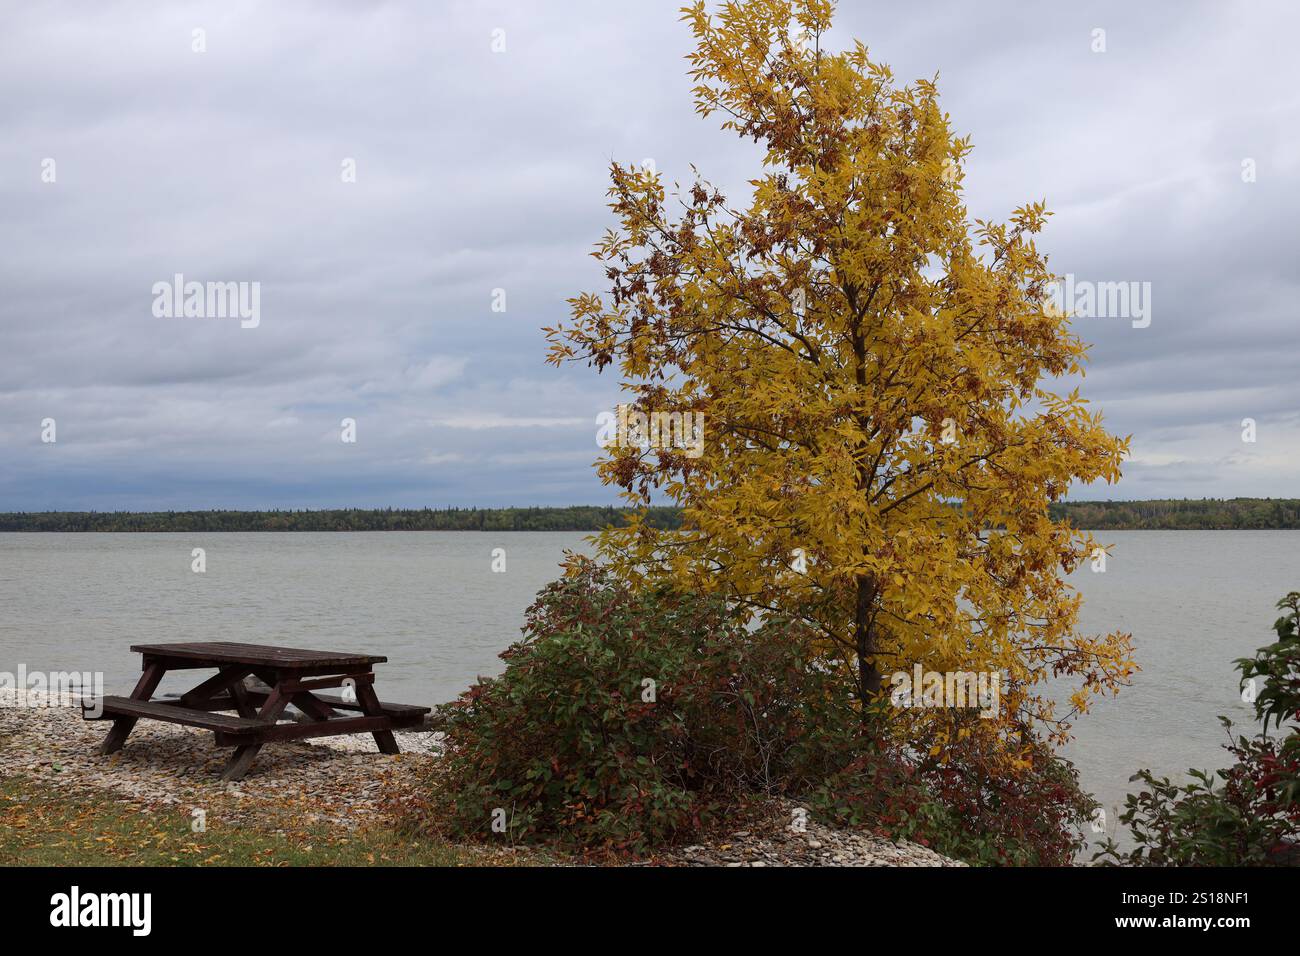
x=478 y=170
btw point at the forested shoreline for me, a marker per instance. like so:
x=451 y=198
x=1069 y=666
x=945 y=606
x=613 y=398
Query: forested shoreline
x=1204 y=514
x=573 y=518
x=1209 y=514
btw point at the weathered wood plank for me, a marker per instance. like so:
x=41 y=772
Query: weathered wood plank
x=318 y=728
x=294 y=684
x=411 y=711
x=232 y=652
x=173 y=713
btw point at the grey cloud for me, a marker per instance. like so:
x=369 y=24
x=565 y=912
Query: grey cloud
x=478 y=171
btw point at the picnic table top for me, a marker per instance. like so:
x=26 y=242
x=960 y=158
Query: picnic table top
x=261 y=655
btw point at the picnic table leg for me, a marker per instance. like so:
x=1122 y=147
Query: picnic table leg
x=225 y=679
x=240 y=761
x=369 y=702
x=122 y=726
x=244 y=754
x=240 y=696
x=313 y=706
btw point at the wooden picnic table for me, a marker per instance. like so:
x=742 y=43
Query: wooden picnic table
x=294 y=676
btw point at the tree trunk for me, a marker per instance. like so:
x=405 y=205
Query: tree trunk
x=869 y=677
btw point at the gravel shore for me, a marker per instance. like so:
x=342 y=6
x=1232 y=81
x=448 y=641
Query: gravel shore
x=788 y=839
x=341 y=780
x=344 y=781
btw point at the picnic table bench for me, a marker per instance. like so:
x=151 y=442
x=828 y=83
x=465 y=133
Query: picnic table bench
x=293 y=676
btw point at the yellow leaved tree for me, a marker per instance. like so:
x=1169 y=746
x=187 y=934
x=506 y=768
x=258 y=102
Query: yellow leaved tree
x=881 y=440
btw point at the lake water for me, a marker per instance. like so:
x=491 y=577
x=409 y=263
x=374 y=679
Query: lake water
x=431 y=602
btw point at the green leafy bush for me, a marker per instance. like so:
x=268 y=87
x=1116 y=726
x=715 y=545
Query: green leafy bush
x=1253 y=819
x=627 y=720
x=567 y=746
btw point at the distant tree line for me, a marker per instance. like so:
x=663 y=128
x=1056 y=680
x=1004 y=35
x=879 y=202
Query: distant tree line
x=575 y=518
x=1208 y=514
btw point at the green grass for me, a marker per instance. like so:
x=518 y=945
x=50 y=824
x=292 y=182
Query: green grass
x=41 y=825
